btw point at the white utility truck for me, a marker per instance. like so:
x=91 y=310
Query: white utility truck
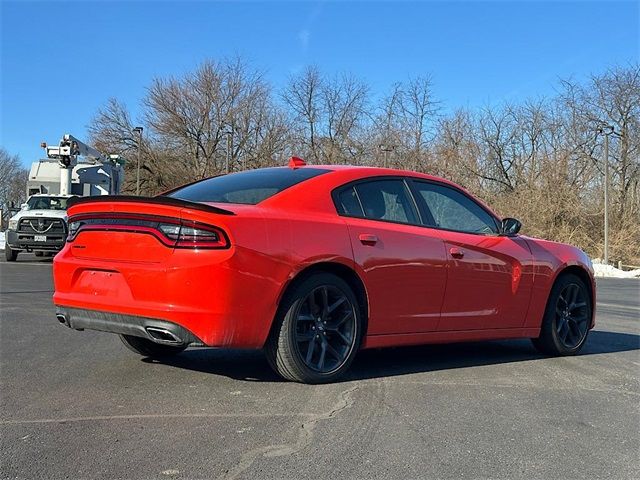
x=41 y=224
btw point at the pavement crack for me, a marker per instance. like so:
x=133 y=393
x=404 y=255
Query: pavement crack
x=305 y=436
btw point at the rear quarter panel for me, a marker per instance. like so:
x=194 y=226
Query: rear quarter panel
x=272 y=245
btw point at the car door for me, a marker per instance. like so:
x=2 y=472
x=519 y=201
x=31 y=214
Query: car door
x=402 y=262
x=490 y=276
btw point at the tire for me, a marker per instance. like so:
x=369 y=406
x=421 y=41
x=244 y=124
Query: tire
x=148 y=348
x=9 y=254
x=317 y=330
x=567 y=318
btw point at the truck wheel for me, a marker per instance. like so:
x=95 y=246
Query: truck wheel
x=148 y=348
x=317 y=331
x=10 y=254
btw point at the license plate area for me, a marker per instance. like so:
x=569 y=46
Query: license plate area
x=101 y=284
x=39 y=238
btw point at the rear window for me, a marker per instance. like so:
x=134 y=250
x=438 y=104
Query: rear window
x=249 y=187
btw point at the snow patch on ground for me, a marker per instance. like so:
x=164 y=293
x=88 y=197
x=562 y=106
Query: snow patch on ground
x=1 y=240
x=609 y=271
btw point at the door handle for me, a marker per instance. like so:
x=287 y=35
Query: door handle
x=368 y=239
x=456 y=252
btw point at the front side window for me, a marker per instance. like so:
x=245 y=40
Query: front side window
x=453 y=210
x=387 y=200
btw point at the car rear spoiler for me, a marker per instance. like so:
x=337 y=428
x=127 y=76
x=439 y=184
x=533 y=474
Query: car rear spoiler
x=160 y=200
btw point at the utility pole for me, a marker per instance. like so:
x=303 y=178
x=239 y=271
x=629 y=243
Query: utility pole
x=138 y=130
x=606 y=131
x=228 y=156
x=606 y=199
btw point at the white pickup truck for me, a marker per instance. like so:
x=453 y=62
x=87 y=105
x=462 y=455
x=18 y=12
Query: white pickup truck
x=40 y=226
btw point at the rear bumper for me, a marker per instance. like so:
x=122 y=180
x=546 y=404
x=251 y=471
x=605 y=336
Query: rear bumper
x=210 y=298
x=156 y=330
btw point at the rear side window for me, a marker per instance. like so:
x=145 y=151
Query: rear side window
x=378 y=200
x=349 y=203
x=248 y=187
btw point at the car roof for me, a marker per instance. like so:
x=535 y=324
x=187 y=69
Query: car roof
x=356 y=172
x=366 y=171
x=310 y=195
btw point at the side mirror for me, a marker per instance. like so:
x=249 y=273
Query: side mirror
x=24 y=206
x=510 y=227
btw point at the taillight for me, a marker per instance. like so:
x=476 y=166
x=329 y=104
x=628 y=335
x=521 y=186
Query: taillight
x=171 y=232
x=194 y=235
x=73 y=230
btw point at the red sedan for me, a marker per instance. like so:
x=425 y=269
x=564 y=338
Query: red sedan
x=313 y=263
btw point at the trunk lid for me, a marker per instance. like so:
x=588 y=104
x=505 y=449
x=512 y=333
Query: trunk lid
x=136 y=229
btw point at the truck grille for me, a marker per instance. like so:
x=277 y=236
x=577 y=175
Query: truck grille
x=42 y=226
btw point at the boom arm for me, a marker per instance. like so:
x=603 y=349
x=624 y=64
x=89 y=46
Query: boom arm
x=67 y=153
x=70 y=148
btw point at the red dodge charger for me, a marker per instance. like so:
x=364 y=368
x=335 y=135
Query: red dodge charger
x=313 y=263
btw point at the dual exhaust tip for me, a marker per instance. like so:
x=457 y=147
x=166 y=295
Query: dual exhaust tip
x=157 y=334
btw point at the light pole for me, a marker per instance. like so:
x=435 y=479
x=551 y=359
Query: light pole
x=386 y=149
x=229 y=134
x=138 y=130
x=606 y=131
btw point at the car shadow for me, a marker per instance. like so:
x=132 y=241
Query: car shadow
x=251 y=365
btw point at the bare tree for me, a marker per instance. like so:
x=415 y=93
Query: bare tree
x=302 y=98
x=539 y=159
x=111 y=131
x=420 y=111
x=13 y=183
x=214 y=116
x=344 y=101
x=388 y=129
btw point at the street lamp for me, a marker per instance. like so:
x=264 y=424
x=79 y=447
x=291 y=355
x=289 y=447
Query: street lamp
x=138 y=130
x=386 y=149
x=229 y=134
x=606 y=130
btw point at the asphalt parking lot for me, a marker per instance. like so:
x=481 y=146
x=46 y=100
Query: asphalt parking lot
x=80 y=405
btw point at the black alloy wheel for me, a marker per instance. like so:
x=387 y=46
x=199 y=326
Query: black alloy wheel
x=572 y=315
x=325 y=328
x=567 y=318
x=317 y=330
